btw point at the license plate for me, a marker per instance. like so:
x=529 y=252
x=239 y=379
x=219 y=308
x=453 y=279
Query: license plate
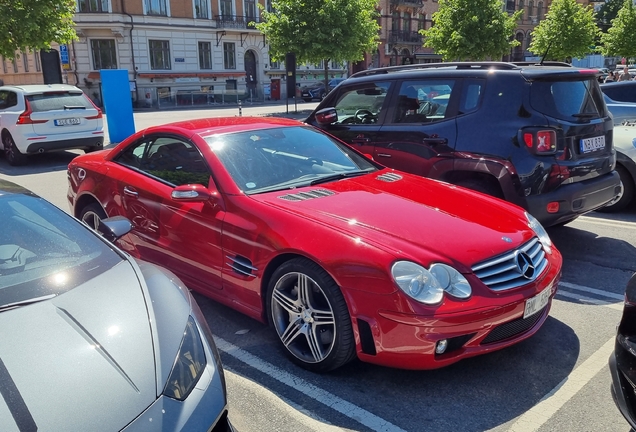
x=305 y=94
x=67 y=122
x=538 y=302
x=592 y=144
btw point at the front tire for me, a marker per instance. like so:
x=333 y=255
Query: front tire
x=11 y=152
x=310 y=316
x=92 y=214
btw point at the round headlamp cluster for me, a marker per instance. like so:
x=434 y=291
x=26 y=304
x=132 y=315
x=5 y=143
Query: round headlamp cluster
x=428 y=285
x=541 y=233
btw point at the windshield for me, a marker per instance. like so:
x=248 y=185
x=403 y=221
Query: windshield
x=45 y=252
x=284 y=158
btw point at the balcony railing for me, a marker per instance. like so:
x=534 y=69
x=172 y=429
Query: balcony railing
x=236 y=21
x=407 y=2
x=403 y=36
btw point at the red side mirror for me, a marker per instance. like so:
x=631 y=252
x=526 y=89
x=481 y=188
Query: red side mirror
x=326 y=116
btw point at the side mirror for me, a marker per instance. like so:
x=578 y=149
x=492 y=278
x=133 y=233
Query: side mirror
x=326 y=116
x=191 y=193
x=114 y=227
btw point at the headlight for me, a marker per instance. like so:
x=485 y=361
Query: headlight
x=428 y=286
x=188 y=366
x=538 y=229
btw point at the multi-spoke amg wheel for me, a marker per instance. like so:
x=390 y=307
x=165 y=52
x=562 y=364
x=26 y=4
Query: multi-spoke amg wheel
x=310 y=316
x=92 y=214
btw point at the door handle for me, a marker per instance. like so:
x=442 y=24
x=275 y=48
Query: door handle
x=435 y=141
x=130 y=192
x=384 y=155
x=361 y=141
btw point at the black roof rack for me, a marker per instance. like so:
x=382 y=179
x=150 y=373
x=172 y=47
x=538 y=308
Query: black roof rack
x=457 y=65
x=545 y=63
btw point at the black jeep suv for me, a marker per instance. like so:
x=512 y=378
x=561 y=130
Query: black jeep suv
x=539 y=136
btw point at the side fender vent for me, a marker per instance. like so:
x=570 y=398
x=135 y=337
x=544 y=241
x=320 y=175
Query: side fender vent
x=366 y=337
x=303 y=196
x=241 y=265
x=389 y=177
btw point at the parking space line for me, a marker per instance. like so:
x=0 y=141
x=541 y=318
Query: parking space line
x=592 y=290
x=615 y=306
x=539 y=414
x=605 y=222
x=348 y=409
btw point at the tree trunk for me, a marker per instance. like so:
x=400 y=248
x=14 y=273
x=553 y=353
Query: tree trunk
x=326 y=65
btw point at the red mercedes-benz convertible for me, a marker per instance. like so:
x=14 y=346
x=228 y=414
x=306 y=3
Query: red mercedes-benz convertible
x=341 y=256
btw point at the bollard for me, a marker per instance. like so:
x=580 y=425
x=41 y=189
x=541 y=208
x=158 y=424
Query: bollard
x=240 y=109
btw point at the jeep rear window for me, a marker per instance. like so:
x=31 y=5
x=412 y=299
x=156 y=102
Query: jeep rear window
x=53 y=101
x=573 y=100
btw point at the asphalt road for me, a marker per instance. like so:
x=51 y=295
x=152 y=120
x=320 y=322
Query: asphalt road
x=558 y=380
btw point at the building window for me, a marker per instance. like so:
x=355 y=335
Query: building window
x=229 y=55
x=521 y=6
x=201 y=9
x=250 y=11
x=104 y=54
x=540 y=10
x=15 y=65
x=159 y=54
x=421 y=22
x=38 y=65
x=4 y=65
x=25 y=60
x=395 y=21
x=93 y=5
x=156 y=7
x=205 y=55
x=269 y=7
x=531 y=9
x=273 y=64
x=226 y=9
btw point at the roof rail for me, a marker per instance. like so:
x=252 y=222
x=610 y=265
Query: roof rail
x=545 y=63
x=458 y=65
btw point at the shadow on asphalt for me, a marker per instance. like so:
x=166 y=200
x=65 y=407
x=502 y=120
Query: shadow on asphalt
x=39 y=163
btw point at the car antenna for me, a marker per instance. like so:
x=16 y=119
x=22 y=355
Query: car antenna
x=546 y=53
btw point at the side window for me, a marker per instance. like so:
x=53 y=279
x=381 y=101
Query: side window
x=422 y=101
x=471 y=95
x=362 y=103
x=172 y=160
x=8 y=99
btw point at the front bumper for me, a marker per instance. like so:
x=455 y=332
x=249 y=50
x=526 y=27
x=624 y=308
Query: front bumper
x=574 y=199
x=408 y=341
x=622 y=390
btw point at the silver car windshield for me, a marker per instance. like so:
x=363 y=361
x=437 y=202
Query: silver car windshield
x=285 y=157
x=45 y=252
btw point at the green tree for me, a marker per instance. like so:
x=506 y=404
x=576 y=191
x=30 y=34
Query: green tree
x=568 y=30
x=619 y=39
x=607 y=12
x=35 y=24
x=471 y=30
x=321 y=30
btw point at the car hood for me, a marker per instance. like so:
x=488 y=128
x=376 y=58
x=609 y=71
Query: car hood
x=81 y=361
x=409 y=215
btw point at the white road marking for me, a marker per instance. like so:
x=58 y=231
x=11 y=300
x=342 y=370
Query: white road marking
x=590 y=300
x=308 y=420
x=344 y=407
x=605 y=222
x=539 y=414
x=592 y=290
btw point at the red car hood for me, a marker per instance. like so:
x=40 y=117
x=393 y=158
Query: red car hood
x=414 y=216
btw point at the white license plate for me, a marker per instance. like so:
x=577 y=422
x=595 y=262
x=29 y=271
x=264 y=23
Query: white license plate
x=538 y=302
x=67 y=122
x=592 y=144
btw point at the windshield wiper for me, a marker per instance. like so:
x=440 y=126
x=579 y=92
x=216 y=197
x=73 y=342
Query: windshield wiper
x=339 y=176
x=27 y=302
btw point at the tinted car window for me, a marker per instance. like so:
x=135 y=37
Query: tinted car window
x=44 y=251
x=283 y=158
x=423 y=101
x=362 y=104
x=52 y=101
x=8 y=99
x=568 y=100
x=471 y=95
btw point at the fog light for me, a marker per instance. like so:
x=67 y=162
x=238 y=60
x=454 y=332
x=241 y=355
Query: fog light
x=441 y=346
x=552 y=207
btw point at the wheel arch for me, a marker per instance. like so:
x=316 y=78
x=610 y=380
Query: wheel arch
x=83 y=201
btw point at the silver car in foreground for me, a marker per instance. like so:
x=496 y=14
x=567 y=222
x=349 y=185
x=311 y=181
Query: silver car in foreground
x=93 y=339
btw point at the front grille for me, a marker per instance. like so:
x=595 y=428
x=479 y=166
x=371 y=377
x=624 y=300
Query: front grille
x=303 y=196
x=513 y=269
x=512 y=328
x=389 y=177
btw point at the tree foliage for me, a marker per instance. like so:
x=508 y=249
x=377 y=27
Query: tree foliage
x=34 y=24
x=317 y=30
x=619 y=39
x=569 y=30
x=471 y=30
x=607 y=12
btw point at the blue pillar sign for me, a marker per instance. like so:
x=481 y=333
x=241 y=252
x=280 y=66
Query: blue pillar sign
x=64 y=59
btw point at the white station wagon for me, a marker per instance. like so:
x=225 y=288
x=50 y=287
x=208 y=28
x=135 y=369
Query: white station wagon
x=49 y=117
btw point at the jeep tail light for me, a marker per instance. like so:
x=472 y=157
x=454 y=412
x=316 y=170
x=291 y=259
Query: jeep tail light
x=25 y=117
x=99 y=112
x=541 y=141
